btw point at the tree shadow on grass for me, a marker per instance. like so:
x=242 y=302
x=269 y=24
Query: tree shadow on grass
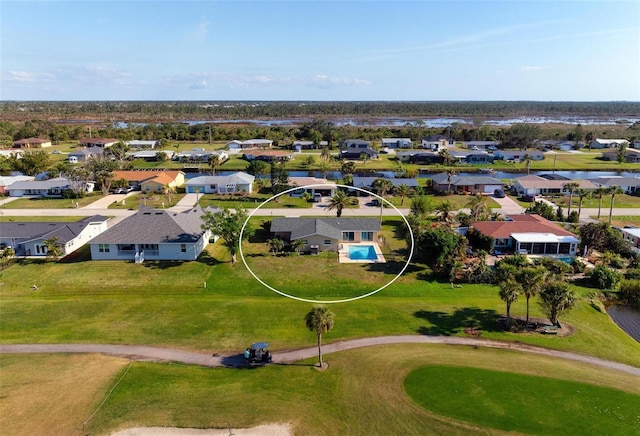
x=161 y=264
x=448 y=324
x=207 y=259
x=392 y=267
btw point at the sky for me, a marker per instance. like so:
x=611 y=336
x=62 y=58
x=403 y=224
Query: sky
x=332 y=50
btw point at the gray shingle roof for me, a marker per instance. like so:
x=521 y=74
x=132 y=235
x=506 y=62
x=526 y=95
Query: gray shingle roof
x=58 y=182
x=457 y=180
x=328 y=227
x=64 y=231
x=237 y=178
x=155 y=226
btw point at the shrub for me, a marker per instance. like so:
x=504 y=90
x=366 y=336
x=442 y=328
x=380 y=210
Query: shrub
x=604 y=278
x=630 y=293
x=633 y=274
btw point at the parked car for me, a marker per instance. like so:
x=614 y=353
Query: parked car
x=317 y=198
x=499 y=193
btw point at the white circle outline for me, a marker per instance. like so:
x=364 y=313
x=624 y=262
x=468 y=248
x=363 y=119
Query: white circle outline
x=406 y=265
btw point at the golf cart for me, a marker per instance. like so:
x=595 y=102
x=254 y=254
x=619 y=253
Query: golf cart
x=258 y=352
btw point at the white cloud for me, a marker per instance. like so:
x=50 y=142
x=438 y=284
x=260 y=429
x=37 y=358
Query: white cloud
x=529 y=68
x=27 y=77
x=207 y=80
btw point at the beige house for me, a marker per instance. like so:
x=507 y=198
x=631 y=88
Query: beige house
x=32 y=143
x=151 y=179
x=536 y=185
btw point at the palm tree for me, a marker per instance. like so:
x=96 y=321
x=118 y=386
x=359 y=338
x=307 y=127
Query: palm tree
x=450 y=173
x=510 y=289
x=325 y=153
x=275 y=245
x=382 y=186
x=571 y=186
x=168 y=190
x=531 y=279
x=613 y=191
x=297 y=245
x=446 y=157
x=214 y=162
x=582 y=194
x=403 y=191
x=526 y=159
x=339 y=201
x=478 y=206
x=599 y=193
x=319 y=320
x=443 y=210
x=54 y=249
x=7 y=254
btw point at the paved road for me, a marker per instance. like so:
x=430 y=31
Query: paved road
x=156 y=354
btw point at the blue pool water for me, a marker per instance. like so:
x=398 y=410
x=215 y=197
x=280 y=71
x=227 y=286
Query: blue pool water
x=362 y=252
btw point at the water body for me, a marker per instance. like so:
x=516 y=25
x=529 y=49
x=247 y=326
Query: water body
x=627 y=319
x=397 y=122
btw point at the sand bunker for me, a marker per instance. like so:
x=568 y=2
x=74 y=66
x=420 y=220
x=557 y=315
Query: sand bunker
x=261 y=430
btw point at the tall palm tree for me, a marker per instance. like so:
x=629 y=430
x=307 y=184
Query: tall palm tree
x=275 y=245
x=214 y=162
x=526 y=159
x=297 y=245
x=403 y=191
x=531 y=279
x=510 y=289
x=450 y=174
x=54 y=249
x=339 y=201
x=613 y=191
x=478 y=206
x=443 y=210
x=319 y=320
x=599 y=193
x=571 y=187
x=6 y=255
x=582 y=194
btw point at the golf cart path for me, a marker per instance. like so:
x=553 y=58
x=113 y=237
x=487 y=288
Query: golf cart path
x=157 y=354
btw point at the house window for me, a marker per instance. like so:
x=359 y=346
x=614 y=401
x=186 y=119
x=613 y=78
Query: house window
x=348 y=236
x=183 y=248
x=103 y=248
x=213 y=186
x=327 y=242
x=366 y=236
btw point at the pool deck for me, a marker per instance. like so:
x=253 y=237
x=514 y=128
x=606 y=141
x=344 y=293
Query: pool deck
x=343 y=253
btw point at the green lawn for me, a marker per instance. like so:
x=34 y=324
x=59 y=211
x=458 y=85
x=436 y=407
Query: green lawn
x=158 y=201
x=52 y=203
x=523 y=403
x=252 y=201
x=166 y=304
x=621 y=201
x=40 y=219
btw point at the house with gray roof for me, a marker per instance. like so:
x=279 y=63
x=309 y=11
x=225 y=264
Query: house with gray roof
x=153 y=234
x=479 y=184
x=84 y=154
x=325 y=234
x=629 y=185
x=40 y=188
x=235 y=183
x=28 y=238
x=367 y=182
x=396 y=143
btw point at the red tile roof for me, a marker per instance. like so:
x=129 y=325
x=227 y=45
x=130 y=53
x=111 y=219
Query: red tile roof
x=523 y=223
x=138 y=176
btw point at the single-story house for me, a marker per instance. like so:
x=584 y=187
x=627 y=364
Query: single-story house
x=150 y=155
x=632 y=236
x=200 y=155
x=28 y=238
x=419 y=157
x=42 y=188
x=153 y=234
x=517 y=155
x=32 y=143
x=536 y=185
x=308 y=145
x=608 y=143
x=397 y=143
x=635 y=145
x=136 y=179
x=97 y=142
x=359 y=144
x=268 y=155
x=12 y=152
x=7 y=181
x=315 y=185
x=479 y=184
x=84 y=154
x=142 y=144
x=631 y=155
x=437 y=142
x=249 y=143
x=529 y=234
x=325 y=234
x=235 y=183
x=357 y=153
x=628 y=184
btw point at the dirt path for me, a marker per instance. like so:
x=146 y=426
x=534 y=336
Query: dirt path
x=157 y=354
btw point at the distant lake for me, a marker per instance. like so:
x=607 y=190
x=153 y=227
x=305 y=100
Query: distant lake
x=398 y=122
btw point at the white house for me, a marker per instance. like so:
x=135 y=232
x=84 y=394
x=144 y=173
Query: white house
x=437 y=142
x=397 y=143
x=627 y=184
x=142 y=144
x=315 y=185
x=153 y=234
x=608 y=143
x=97 y=142
x=518 y=155
x=28 y=238
x=536 y=185
x=632 y=236
x=41 y=188
x=235 y=183
x=249 y=143
x=6 y=181
x=355 y=143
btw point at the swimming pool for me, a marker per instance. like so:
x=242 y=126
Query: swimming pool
x=362 y=252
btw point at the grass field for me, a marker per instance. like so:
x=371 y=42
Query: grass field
x=158 y=201
x=34 y=219
x=342 y=399
x=52 y=203
x=517 y=402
